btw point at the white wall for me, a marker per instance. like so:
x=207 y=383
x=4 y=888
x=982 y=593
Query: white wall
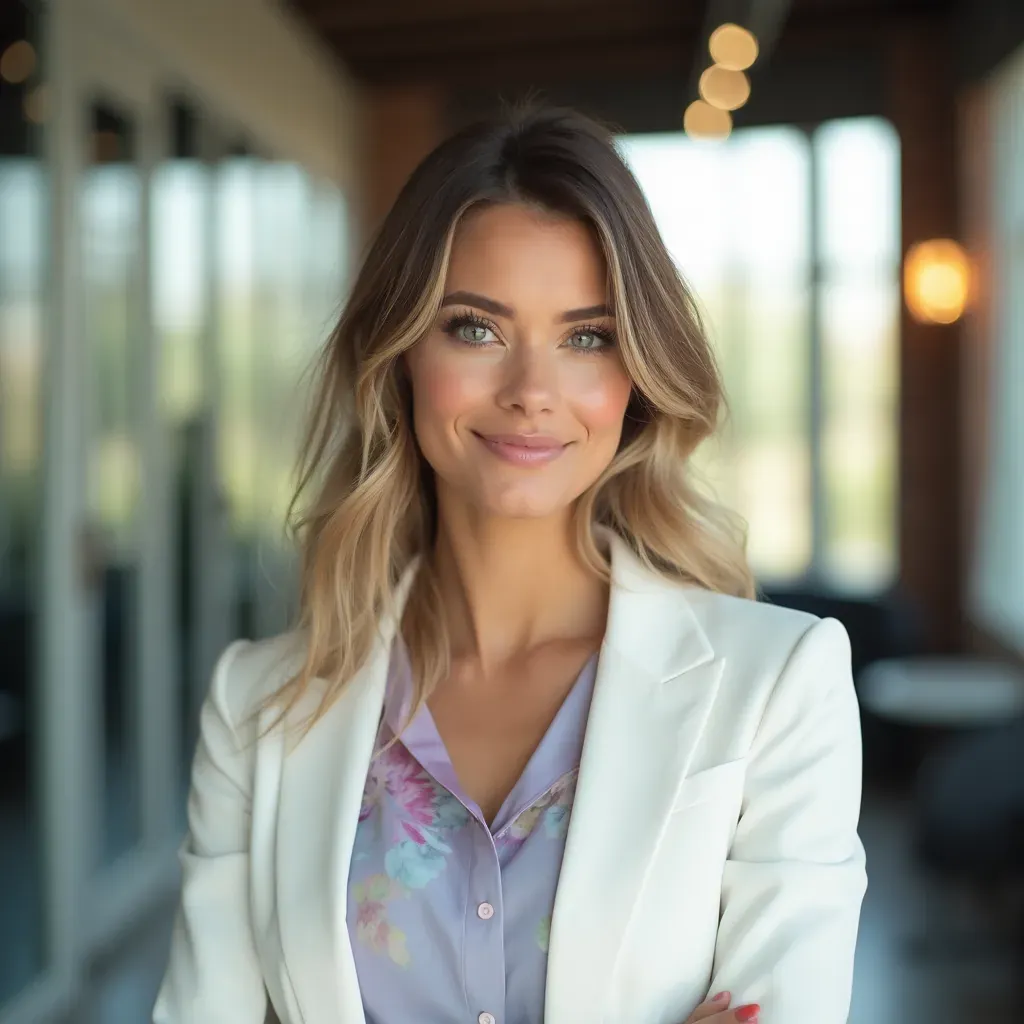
x=259 y=66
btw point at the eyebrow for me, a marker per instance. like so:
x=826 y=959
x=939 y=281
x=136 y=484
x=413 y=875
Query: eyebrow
x=500 y=309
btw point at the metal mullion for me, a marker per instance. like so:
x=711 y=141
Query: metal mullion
x=816 y=371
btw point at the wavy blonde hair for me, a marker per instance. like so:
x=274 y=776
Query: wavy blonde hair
x=365 y=508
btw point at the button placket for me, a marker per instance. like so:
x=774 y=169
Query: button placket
x=484 y=952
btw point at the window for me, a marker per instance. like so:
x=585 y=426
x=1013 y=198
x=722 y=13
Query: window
x=997 y=584
x=791 y=241
x=25 y=365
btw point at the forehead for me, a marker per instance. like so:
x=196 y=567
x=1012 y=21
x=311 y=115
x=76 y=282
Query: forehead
x=507 y=250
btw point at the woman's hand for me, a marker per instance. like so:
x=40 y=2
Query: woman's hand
x=716 y=1011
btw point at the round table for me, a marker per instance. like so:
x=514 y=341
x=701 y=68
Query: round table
x=954 y=693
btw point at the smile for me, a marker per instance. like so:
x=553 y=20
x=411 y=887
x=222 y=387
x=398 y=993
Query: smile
x=523 y=449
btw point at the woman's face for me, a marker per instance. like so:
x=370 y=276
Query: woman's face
x=519 y=392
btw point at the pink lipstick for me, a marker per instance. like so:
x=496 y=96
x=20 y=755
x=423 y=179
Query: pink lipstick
x=524 y=449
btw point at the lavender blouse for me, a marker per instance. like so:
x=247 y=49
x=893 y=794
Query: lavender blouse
x=448 y=917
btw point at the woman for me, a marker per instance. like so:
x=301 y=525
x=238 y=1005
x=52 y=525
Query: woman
x=518 y=613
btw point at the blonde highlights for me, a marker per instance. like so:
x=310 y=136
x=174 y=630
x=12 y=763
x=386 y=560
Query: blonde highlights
x=364 y=510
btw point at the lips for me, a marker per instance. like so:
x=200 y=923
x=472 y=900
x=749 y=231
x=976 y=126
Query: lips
x=523 y=449
x=525 y=440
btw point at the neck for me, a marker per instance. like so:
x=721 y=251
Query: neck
x=511 y=585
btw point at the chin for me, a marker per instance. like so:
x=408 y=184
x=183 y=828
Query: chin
x=519 y=503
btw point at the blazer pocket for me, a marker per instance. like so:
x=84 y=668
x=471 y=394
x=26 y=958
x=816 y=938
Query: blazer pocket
x=723 y=782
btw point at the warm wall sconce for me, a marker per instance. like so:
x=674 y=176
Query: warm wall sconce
x=936 y=281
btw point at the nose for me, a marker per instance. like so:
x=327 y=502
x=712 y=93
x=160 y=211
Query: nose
x=530 y=384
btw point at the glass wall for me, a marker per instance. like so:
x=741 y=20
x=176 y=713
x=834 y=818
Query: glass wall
x=181 y=267
x=997 y=572
x=239 y=307
x=281 y=279
x=791 y=241
x=151 y=387
x=111 y=214
x=858 y=248
x=24 y=189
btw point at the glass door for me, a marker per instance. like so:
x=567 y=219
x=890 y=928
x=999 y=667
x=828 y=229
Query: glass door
x=111 y=218
x=185 y=222
x=131 y=754
x=35 y=967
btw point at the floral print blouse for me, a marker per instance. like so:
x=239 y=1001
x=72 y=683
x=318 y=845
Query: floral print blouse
x=448 y=917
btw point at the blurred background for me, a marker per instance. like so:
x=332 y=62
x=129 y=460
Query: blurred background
x=185 y=187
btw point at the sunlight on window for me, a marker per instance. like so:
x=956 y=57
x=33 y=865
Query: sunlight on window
x=111 y=205
x=281 y=253
x=180 y=281
x=22 y=275
x=997 y=572
x=734 y=218
x=238 y=442
x=283 y=336
x=738 y=220
x=858 y=181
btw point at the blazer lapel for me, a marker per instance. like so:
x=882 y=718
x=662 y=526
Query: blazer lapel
x=323 y=775
x=321 y=791
x=656 y=682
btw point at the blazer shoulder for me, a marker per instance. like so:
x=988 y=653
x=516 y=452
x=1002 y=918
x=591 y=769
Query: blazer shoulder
x=723 y=614
x=249 y=673
x=765 y=636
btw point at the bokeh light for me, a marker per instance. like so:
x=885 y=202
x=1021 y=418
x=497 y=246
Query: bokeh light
x=725 y=89
x=733 y=47
x=703 y=121
x=936 y=281
x=17 y=62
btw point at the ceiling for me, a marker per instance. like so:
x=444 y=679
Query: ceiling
x=386 y=41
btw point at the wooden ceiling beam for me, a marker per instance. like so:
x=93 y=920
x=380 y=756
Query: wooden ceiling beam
x=464 y=40
x=558 y=49
x=496 y=69
x=333 y=15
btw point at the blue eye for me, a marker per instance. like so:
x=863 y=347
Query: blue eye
x=589 y=341
x=474 y=334
x=470 y=329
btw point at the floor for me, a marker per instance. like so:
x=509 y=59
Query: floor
x=966 y=980
x=22 y=939
x=22 y=942
x=893 y=983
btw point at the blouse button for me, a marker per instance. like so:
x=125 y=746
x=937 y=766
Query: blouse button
x=486 y=1018
x=485 y=912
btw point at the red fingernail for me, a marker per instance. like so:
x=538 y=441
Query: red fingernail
x=722 y=997
x=748 y=1014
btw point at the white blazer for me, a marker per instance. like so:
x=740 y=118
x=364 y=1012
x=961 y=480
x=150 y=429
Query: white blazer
x=712 y=845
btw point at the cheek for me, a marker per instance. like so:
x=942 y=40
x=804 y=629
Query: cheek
x=599 y=398
x=444 y=387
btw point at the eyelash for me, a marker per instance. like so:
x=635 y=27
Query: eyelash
x=468 y=319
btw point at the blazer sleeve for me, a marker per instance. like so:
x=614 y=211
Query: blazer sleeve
x=213 y=975
x=795 y=878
